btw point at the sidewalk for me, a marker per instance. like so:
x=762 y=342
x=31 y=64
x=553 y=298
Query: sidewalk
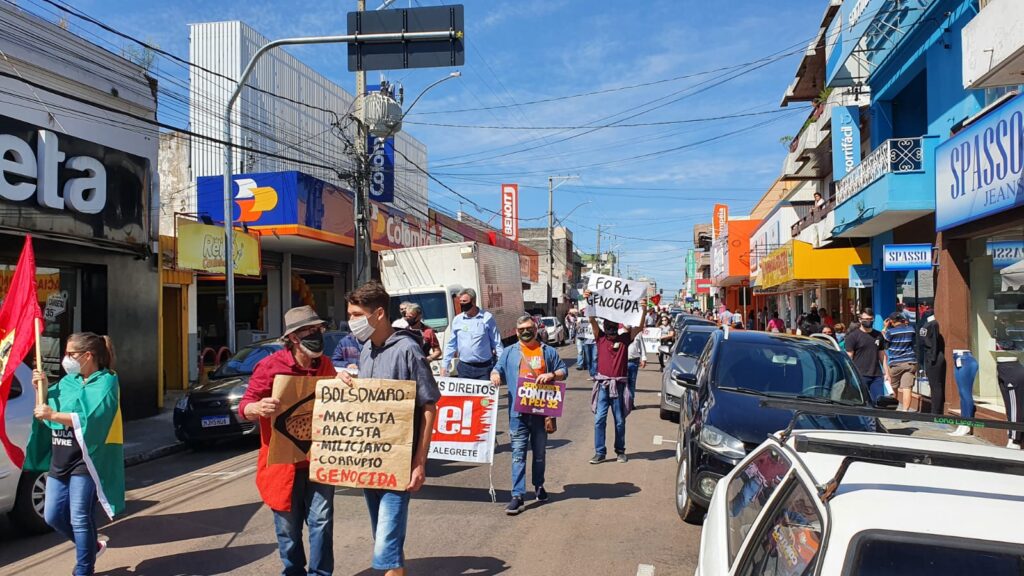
x=929 y=430
x=146 y=439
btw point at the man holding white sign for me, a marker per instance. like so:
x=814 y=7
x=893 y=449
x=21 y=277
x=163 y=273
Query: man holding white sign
x=611 y=389
x=615 y=299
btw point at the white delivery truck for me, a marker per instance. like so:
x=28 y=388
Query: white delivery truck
x=432 y=276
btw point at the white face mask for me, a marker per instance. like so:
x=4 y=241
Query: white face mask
x=361 y=328
x=71 y=366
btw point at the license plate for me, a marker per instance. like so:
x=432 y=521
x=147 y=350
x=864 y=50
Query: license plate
x=210 y=421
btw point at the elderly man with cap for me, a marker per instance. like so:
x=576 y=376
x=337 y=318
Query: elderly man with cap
x=286 y=488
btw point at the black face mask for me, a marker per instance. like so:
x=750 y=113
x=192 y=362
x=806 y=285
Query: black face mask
x=610 y=328
x=867 y=323
x=527 y=335
x=412 y=321
x=314 y=342
x=465 y=307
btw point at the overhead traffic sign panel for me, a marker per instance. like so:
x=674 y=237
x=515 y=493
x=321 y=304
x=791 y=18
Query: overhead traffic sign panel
x=414 y=50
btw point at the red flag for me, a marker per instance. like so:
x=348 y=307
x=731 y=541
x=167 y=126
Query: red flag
x=17 y=335
x=656 y=299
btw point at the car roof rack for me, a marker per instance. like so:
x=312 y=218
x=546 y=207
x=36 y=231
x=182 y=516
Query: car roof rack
x=899 y=457
x=802 y=407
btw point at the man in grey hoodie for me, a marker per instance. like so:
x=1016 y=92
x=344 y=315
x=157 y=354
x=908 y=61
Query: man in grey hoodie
x=394 y=355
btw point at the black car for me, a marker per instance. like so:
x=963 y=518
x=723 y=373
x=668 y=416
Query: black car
x=721 y=419
x=209 y=411
x=683 y=355
x=685 y=319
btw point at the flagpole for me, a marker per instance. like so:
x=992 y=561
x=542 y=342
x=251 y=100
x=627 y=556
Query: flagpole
x=40 y=391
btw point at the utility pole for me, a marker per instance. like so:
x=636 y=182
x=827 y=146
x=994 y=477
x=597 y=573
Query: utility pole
x=597 y=257
x=551 y=236
x=360 y=204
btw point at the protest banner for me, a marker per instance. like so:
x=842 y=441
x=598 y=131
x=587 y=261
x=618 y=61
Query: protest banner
x=652 y=339
x=291 y=428
x=616 y=299
x=539 y=399
x=467 y=416
x=362 y=436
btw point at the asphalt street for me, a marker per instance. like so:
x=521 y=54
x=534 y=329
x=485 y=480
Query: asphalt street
x=198 y=513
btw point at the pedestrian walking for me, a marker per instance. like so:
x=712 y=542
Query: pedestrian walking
x=77 y=439
x=392 y=355
x=346 y=353
x=776 y=324
x=414 y=321
x=474 y=339
x=528 y=358
x=636 y=359
x=589 y=347
x=611 y=390
x=901 y=356
x=668 y=334
x=866 y=346
x=286 y=488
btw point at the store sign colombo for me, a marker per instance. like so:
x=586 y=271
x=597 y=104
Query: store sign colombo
x=906 y=257
x=201 y=248
x=510 y=211
x=980 y=171
x=68 y=186
x=295 y=203
x=845 y=140
x=382 y=168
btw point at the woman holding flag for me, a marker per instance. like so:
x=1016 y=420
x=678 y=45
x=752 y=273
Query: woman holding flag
x=77 y=438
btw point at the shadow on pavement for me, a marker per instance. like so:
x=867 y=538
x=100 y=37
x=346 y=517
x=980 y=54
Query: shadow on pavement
x=199 y=563
x=163 y=528
x=451 y=565
x=440 y=469
x=569 y=492
x=596 y=491
x=656 y=455
x=553 y=443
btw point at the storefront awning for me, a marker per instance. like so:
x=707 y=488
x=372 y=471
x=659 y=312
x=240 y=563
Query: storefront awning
x=797 y=260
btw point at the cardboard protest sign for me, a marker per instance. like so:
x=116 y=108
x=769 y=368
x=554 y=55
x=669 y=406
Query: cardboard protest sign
x=290 y=429
x=616 y=299
x=467 y=416
x=362 y=436
x=539 y=399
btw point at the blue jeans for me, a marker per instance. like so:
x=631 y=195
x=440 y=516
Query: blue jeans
x=312 y=503
x=632 y=369
x=527 y=431
x=476 y=372
x=590 y=352
x=389 y=514
x=68 y=509
x=875 y=386
x=581 y=360
x=601 y=419
x=965 y=369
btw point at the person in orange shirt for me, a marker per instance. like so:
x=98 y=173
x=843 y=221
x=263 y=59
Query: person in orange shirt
x=528 y=358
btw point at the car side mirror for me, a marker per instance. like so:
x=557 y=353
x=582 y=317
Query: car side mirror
x=685 y=380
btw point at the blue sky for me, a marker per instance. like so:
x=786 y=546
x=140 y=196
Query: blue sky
x=647 y=185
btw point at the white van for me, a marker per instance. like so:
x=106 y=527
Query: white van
x=21 y=494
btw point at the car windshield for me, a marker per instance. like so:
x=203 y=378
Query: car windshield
x=692 y=343
x=244 y=361
x=434 y=305
x=781 y=367
x=906 y=555
x=549 y=322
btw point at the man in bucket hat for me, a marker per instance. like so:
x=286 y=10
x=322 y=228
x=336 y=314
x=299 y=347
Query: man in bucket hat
x=286 y=488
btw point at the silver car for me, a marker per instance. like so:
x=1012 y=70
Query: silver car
x=556 y=332
x=21 y=493
x=683 y=356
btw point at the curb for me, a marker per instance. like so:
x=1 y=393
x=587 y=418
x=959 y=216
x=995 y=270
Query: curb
x=153 y=454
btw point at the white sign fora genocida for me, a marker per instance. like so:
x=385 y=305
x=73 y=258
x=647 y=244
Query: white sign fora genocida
x=86 y=194
x=616 y=299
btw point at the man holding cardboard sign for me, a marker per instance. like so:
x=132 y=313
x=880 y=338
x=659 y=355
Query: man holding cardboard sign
x=286 y=487
x=390 y=354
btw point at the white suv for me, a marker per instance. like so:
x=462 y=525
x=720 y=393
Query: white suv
x=21 y=494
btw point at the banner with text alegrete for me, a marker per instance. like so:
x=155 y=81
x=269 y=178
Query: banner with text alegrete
x=616 y=299
x=467 y=416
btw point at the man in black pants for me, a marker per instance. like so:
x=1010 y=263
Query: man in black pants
x=934 y=348
x=1011 y=384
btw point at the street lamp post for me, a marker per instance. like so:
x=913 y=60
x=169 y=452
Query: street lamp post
x=551 y=234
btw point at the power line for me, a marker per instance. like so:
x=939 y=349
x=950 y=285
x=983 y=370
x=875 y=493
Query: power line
x=613 y=125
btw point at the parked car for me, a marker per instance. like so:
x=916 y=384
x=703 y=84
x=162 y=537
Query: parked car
x=721 y=419
x=208 y=412
x=556 y=332
x=770 y=515
x=684 y=320
x=683 y=355
x=21 y=493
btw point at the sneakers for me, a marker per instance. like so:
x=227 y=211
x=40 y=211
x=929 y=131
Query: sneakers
x=101 y=547
x=542 y=494
x=515 y=506
x=597 y=459
x=961 y=431
x=621 y=458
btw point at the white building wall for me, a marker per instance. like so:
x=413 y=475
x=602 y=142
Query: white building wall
x=775 y=230
x=275 y=125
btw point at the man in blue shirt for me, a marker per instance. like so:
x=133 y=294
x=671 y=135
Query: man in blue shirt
x=474 y=338
x=901 y=356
